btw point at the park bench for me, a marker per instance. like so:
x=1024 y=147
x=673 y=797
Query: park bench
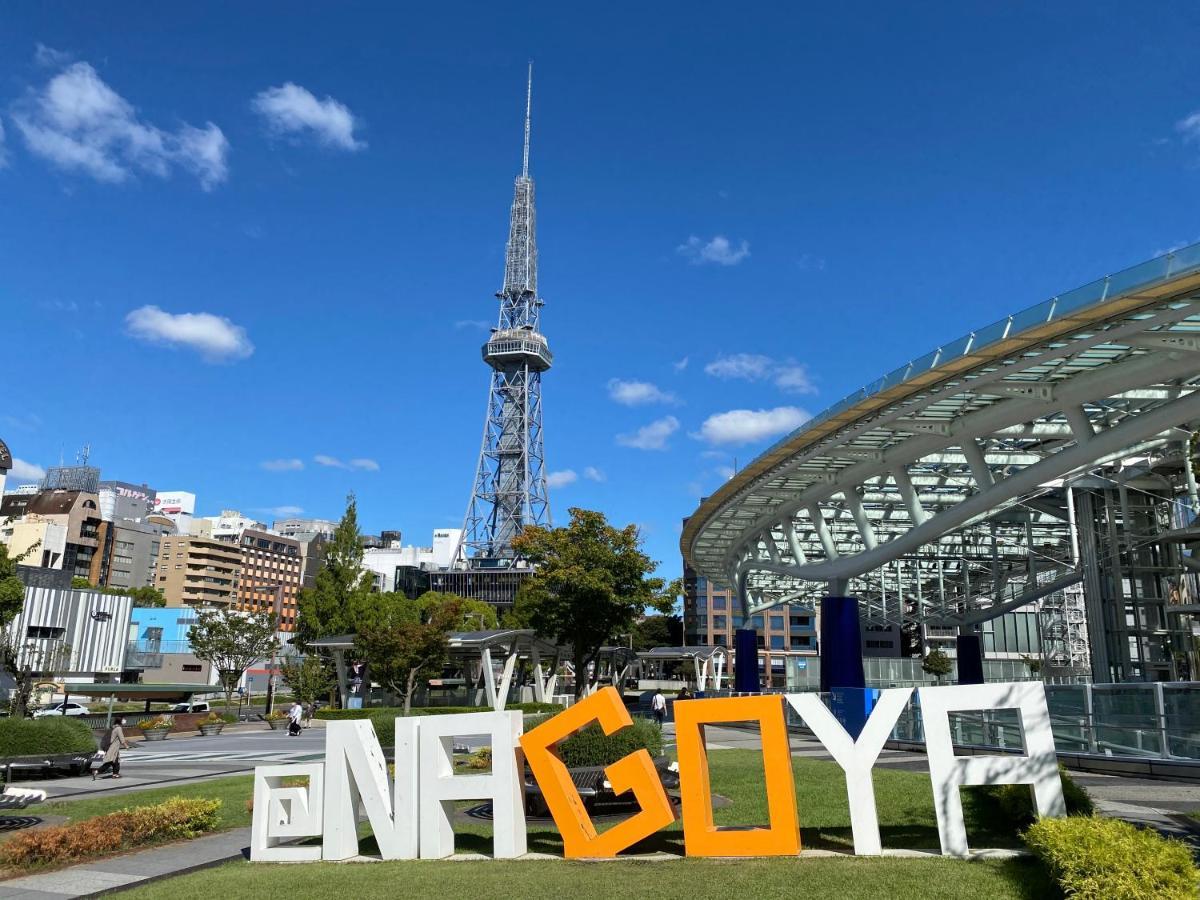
x=592 y=785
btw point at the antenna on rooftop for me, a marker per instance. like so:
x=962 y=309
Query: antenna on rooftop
x=528 y=108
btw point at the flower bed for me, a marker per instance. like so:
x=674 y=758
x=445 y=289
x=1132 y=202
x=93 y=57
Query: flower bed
x=174 y=819
x=156 y=729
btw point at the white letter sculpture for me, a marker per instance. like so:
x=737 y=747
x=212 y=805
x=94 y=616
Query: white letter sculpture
x=440 y=787
x=285 y=813
x=856 y=758
x=356 y=773
x=1038 y=767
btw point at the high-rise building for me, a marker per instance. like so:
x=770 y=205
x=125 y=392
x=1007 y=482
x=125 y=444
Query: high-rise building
x=121 y=500
x=65 y=526
x=178 y=506
x=270 y=575
x=196 y=571
x=230 y=524
x=292 y=527
x=509 y=491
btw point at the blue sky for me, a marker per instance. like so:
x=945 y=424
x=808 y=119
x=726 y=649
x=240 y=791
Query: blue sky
x=743 y=215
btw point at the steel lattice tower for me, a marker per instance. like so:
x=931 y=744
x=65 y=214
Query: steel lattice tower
x=509 y=491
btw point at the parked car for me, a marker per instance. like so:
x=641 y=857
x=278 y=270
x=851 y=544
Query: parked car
x=201 y=707
x=63 y=709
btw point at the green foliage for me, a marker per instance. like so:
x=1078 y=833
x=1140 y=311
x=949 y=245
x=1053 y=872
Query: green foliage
x=937 y=664
x=53 y=734
x=1015 y=801
x=309 y=678
x=592 y=747
x=142 y=596
x=658 y=631
x=79 y=583
x=591 y=582
x=341 y=585
x=231 y=641
x=1094 y=858
x=138 y=826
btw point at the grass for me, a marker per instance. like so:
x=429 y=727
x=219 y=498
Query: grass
x=696 y=879
x=906 y=817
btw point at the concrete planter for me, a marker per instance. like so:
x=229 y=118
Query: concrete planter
x=278 y=724
x=156 y=734
x=207 y=730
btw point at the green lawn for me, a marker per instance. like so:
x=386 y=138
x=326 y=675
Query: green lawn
x=906 y=815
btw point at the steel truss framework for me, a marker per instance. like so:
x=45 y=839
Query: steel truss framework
x=509 y=491
x=935 y=495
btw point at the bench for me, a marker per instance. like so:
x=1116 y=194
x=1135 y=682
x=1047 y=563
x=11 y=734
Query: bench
x=592 y=785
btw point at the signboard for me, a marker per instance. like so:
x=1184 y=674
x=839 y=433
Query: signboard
x=410 y=817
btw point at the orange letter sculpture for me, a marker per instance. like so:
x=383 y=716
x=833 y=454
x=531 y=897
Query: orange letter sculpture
x=634 y=772
x=700 y=836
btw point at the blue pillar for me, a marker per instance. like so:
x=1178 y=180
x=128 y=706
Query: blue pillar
x=970 y=659
x=745 y=661
x=841 y=644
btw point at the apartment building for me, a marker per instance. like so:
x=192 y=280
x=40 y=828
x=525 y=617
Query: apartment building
x=270 y=575
x=196 y=571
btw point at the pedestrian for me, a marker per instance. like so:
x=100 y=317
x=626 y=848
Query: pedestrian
x=308 y=713
x=684 y=693
x=112 y=744
x=658 y=706
x=295 y=714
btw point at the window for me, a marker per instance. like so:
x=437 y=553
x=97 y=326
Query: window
x=799 y=642
x=777 y=642
x=44 y=632
x=719 y=622
x=776 y=623
x=192 y=667
x=718 y=603
x=757 y=622
x=879 y=645
x=800 y=621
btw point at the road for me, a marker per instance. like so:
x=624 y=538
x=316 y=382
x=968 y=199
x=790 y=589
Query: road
x=181 y=759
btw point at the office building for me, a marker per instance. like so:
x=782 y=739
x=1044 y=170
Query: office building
x=270 y=575
x=195 y=571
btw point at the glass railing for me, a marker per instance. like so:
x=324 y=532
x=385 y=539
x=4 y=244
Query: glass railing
x=1159 y=270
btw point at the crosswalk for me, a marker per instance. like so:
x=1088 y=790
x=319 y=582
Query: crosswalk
x=217 y=756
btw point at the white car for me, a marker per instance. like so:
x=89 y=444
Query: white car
x=190 y=707
x=63 y=709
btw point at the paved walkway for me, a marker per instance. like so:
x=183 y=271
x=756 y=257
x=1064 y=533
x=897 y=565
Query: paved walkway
x=133 y=868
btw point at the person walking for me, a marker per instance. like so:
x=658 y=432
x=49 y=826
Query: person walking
x=112 y=744
x=308 y=714
x=295 y=715
x=658 y=706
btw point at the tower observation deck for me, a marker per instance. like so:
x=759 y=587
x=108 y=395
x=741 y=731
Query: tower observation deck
x=509 y=490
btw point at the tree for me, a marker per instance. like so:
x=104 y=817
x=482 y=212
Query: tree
x=1033 y=664
x=937 y=664
x=12 y=649
x=79 y=583
x=590 y=582
x=657 y=631
x=340 y=587
x=231 y=641
x=400 y=638
x=309 y=678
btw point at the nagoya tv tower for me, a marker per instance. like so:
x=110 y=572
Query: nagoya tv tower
x=510 y=482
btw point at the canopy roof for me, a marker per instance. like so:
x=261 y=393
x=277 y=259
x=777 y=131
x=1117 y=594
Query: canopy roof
x=158 y=692
x=668 y=653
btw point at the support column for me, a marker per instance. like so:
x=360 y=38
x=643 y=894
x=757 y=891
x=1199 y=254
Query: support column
x=969 y=649
x=841 y=644
x=1093 y=590
x=745 y=661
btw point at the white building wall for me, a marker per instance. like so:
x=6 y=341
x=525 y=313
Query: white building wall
x=84 y=632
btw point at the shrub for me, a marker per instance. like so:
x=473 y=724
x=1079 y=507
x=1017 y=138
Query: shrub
x=592 y=747
x=1015 y=801
x=122 y=830
x=275 y=715
x=1094 y=858
x=156 y=724
x=35 y=737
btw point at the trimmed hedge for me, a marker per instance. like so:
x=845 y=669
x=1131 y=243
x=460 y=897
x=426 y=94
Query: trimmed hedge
x=372 y=712
x=1094 y=858
x=1015 y=801
x=50 y=735
x=592 y=747
x=126 y=829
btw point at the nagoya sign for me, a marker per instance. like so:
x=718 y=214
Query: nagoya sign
x=411 y=816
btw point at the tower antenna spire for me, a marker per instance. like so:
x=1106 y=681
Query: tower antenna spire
x=528 y=107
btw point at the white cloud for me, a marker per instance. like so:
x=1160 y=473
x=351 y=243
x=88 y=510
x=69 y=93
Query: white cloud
x=680 y=365
x=292 y=110
x=282 y=465
x=78 y=123
x=281 y=510
x=477 y=324
x=591 y=473
x=49 y=58
x=215 y=337
x=809 y=262
x=717 y=251
x=3 y=155
x=747 y=366
x=638 y=393
x=651 y=437
x=26 y=471
x=787 y=376
x=745 y=426
x=561 y=479
x=726 y=472
x=332 y=462
x=1190 y=127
